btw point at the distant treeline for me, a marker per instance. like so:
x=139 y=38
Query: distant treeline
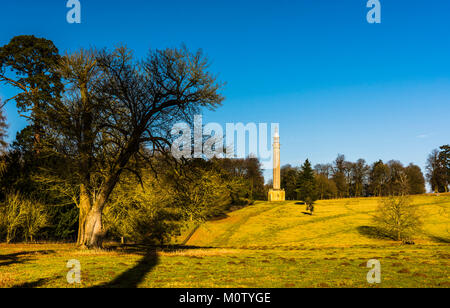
x=345 y=179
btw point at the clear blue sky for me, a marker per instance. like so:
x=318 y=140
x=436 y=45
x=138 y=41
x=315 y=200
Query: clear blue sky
x=335 y=83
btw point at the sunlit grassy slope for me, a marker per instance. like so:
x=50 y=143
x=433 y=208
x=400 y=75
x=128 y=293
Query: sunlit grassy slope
x=344 y=222
x=261 y=246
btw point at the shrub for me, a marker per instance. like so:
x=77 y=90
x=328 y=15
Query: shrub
x=143 y=214
x=397 y=218
x=23 y=215
x=10 y=216
x=34 y=218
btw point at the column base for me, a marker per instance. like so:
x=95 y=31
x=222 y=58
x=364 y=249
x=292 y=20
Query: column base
x=276 y=195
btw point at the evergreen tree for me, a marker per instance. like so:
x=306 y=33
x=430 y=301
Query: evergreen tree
x=28 y=65
x=306 y=186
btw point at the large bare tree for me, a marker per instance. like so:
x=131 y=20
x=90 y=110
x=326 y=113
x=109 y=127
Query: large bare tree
x=117 y=111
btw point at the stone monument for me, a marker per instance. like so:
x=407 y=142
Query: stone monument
x=276 y=194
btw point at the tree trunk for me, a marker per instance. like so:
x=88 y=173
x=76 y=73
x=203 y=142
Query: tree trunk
x=90 y=231
x=93 y=235
x=85 y=207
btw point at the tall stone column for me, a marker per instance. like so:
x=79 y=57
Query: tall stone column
x=276 y=161
x=276 y=194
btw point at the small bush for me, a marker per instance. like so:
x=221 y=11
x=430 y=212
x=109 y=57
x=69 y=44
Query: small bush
x=397 y=218
x=35 y=217
x=19 y=215
x=10 y=217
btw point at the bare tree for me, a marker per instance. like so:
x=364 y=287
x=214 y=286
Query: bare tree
x=436 y=172
x=113 y=110
x=397 y=218
x=11 y=217
x=324 y=169
x=340 y=171
x=359 y=174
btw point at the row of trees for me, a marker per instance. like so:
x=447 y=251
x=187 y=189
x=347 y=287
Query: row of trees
x=344 y=179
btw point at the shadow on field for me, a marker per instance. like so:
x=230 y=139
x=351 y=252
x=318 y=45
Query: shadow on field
x=21 y=257
x=372 y=232
x=31 y=285
x=35 y=284
x=135 y=275
x=176 y=248
x=441 y=240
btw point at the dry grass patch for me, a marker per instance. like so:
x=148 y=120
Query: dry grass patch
x=6 y=280
x=198 y=252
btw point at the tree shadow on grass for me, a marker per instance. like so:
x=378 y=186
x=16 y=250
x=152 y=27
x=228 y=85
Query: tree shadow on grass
x=373 y=232
x=139 y=249
x=31 y=285
x=135 y=275
x=35 y=284
x=21 y=257
x=219 y=217
x=439 y=239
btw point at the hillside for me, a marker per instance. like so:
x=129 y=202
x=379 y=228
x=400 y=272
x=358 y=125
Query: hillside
x=263 y=246
x=343 y=222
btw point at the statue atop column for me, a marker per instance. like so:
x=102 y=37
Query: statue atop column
x=276 y=194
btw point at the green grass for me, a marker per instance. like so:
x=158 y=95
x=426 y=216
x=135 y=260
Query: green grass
x=265 y=245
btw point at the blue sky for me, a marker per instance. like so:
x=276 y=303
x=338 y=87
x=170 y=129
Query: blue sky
x=335 y=83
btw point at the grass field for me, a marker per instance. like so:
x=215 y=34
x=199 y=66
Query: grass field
x=265 y=245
